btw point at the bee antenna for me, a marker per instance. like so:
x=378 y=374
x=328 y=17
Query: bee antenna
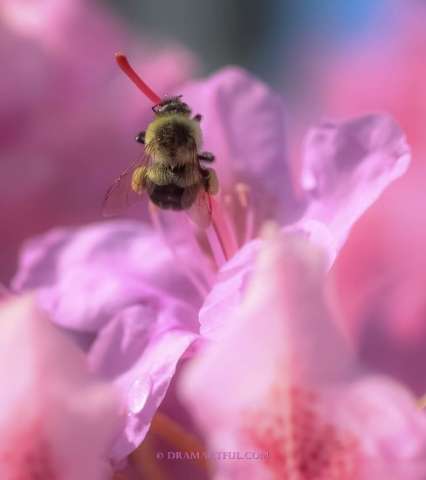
x=124 y=64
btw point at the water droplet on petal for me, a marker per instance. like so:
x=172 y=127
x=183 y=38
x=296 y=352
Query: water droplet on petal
x=139 y=394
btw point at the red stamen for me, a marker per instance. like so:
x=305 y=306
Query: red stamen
x=243 y=195
x=223 y=227
x=124 y=64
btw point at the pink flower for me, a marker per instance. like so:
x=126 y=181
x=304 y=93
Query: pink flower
x=283 y=392
x=114 y=285
x=68 y=117
x=134 y=296
x=56 y=420
x=381 y=274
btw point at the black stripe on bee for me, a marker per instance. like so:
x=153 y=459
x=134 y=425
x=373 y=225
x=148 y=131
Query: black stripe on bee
x=167 y=196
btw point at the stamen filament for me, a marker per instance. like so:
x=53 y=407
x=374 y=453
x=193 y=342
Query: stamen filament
x=207 y=267
x=222 y=231
x=243 y=198
x=216 y=245
x=249 y=230
x=230 y=228
x=124 y=64
x=242 y=193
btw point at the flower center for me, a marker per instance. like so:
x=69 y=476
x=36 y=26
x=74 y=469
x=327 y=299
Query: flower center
x=232 y=225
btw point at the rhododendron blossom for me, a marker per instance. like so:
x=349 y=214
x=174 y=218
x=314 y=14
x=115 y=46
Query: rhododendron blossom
x=134 y=295
x=282 y=393
x=56 y=420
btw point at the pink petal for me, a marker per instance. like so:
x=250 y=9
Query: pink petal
x=348 y=165
x=390 y=426
x=86 y=276
x=56 y=421
x=279 y=383
x=225 y=298
x=244 y=126
x=138 y=351
x=120 y=281
x=283 y=303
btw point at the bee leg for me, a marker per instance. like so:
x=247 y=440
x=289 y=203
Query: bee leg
x=210 y=181
x=139 y=179
x=197 y=117
x=206 y=157
x=140 y=137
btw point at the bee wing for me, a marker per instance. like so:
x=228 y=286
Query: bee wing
x=200 y=211
x=120 y=194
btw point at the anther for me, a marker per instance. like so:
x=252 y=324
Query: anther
x=223 y=230
x=242 y=190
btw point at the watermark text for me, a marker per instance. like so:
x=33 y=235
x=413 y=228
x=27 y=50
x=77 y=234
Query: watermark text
x=225 y=455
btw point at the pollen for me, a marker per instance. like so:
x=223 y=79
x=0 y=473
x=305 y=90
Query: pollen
x=138 y=179
x=300 y=443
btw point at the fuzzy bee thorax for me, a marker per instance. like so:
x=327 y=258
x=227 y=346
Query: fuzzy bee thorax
x=168 y=134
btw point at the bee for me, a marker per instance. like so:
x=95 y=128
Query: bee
x=171 y=171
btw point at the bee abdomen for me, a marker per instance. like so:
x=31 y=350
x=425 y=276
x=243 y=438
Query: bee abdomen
x=167 y=196
x=173 y=197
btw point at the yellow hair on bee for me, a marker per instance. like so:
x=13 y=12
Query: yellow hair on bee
x=158 y=122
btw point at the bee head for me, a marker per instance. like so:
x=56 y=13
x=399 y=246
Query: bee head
x=172 y=105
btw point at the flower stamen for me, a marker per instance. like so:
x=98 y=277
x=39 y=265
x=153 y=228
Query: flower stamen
x=220 y=233
x=217 y=246
x=243 y=195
